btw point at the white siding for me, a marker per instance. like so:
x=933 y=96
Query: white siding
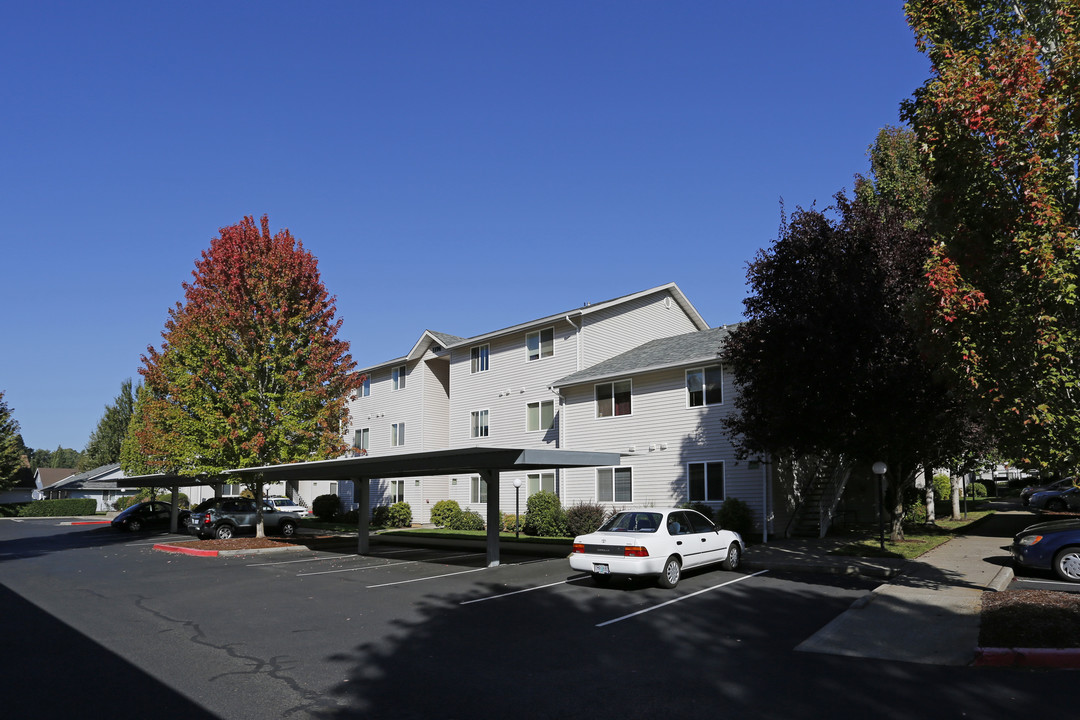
x=614 y=330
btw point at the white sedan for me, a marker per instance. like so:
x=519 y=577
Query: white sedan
x=655 y=541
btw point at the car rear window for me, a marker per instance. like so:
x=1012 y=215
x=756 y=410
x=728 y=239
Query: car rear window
x=645 y=522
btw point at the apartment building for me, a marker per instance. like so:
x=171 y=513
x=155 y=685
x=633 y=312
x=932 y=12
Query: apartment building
x=639 y=375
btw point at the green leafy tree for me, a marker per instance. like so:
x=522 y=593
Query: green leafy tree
x=11 y=446
x=63 y=457
x=998 y=128
x=104 y=444
x=251 y=371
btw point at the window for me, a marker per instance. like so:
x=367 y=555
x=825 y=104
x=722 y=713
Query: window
x=397 y=434
x=361 y=440
x=614 y=485
x=613 y=398
x=397 y=491
x=704 y=386
x=535 y=482
x=231 y=490
x=478 y=491
x=480 y=423
x=540 y=344
x=398 y=377
x=365 y=388
x=541 y=416
x=706 y=481
x=480 y=358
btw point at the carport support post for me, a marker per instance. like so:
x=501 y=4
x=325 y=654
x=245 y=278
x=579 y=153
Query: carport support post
x=174 y=514
x=494 y=517
x=362 y=495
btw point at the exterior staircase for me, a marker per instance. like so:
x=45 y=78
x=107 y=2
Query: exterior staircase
x=820 y=498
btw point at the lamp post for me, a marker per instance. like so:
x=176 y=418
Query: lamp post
x=517 y=508
x=880 y=469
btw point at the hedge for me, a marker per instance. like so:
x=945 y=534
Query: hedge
x=59 y=508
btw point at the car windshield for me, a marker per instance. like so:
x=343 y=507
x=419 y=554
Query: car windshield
x=643 y=522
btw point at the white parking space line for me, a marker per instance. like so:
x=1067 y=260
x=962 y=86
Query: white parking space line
x=332 y=557
x=680 y=599
x=518 y=592
x=1036 y=581
x=431 y=577
x=385 y=565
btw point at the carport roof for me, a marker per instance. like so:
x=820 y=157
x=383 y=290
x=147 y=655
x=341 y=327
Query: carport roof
x=435 y=462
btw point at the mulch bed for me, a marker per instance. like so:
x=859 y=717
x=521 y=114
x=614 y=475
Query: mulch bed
x=263 y=543
x=1030 y=619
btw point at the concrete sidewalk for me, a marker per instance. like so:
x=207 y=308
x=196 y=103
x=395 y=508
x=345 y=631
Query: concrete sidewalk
x=929 y=611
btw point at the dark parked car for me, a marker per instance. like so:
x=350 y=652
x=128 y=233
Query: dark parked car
x=148 y=515
x=223 y=518
x=1027 y=492
x=1050 y=546
x=1059 y=500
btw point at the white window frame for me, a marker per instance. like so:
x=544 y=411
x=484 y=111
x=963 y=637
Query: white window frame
x=362 y=440
x=612 y=474
x=705 y=464
x=365 y=388
x=539 y=335
x=480 y=358
x=534 y=482
x=477 y=490
x=480 y=423
x=398 y=375
x=614 y=406
x=704 y=391
x=397 y=434
x=539 y=416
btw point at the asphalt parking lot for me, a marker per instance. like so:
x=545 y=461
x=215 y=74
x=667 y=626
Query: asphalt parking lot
x=412 y=632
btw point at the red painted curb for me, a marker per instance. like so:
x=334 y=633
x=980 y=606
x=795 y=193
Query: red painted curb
x=186 y=551
x=91 y=522
x=1028 y=657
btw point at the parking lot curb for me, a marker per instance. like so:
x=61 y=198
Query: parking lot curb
x=165 y=547
x=86 y=522
x=1028 y=657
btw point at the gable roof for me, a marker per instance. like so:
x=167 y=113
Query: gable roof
x=51 y=476
x=448 y=341
x=686 y=350
x=104 y=476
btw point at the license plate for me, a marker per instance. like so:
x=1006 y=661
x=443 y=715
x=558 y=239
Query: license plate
x=600 y=569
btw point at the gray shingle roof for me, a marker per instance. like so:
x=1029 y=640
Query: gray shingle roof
x=447 y=339
x=693 y=348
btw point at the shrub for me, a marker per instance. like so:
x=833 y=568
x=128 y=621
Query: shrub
x=735 y=515
x=468 y=520
x=544 y=515
x=510 y=522
x=942 y=488
x=10 y=509
x=444 y=512
x=380 y=516
x=584 y=518
x=976 y=490
x=143 y=495
x=400 y=515
x=350 y=518
x=123 y=503
x=701 y=508
x=59 y=508
x=326 y=507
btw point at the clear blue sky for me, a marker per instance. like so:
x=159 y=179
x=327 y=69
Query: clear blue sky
x=455 y=166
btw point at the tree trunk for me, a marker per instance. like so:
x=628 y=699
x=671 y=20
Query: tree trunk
x=895 y=497
x=956 y=498
x=260 y=530
x=928 y=478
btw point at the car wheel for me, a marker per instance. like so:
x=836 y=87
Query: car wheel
x=223 y=532
x=287 y=528
x=1067 y=564
x=1056 y=505
x=134 y=525
x=669 y=578
x=734 y=557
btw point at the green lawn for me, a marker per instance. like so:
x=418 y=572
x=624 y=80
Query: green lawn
x=918 y=538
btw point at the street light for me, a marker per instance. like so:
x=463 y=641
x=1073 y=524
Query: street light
x=517 y=508
x=880 y=469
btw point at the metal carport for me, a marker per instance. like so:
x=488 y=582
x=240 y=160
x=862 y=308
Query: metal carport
x=488 y=463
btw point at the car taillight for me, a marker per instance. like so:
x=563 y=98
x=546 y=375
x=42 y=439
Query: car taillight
x=579 y=548
x=635 y=551
x=206 y=519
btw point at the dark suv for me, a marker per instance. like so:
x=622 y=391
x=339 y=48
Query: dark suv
x=222 y=518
